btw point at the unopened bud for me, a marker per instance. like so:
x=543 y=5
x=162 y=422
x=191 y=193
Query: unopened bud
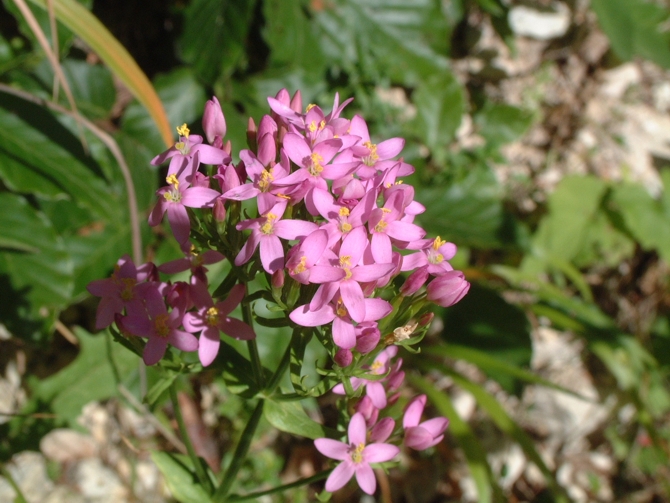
x=219 y=210
x=213 y=121
x=278 y=279
x=344 y=357
x=296 y=102
x=415 y=281
x=228 y=147
x=426 y=319
x=252 y=137
x=447 y=289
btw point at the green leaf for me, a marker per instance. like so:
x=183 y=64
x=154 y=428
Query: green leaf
x=484 y=320
x=469 y=212
x=216 y=24
x=405 y=41
x=440 y=105
x=645 y=218
x=180 y=477
x=475 y=455
x=157 y=390
x=290 y=36
x=572 y=208
x=32 y=136
x=37 y=282
x=94 y=375
x=499 y=124
x=635 y=28
x=289 y=416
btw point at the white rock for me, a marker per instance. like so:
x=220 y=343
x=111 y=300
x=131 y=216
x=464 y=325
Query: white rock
x=29 y=471
x=63 y=445
x=540 y=25
x=98 y=483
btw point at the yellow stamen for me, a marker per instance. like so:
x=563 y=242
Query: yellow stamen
x=265 y=181
x=345 y=227
x=212 y=316
x=344 y=212
x=301 y=267
x=268 y=226
x=316 y=167
x=381 y=226
x=183 y=130
x=283 y=196
x=357 y=453
x=341 y=310
x=172 y=180
x=128 y=285
x=386 y=210
x=161 y=325
x=309 y=107
x=372 y=157
x=437 y=243
x=345 y=261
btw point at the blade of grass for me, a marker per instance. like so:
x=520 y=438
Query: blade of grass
x=485 y=361
x=475 y=456
x=505 y=423
x=78 y=19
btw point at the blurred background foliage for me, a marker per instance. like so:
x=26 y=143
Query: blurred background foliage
x=570 y=262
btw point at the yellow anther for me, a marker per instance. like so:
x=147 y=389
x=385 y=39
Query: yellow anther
x=345 y=261
x=357 y=453
x=399 y=182
x=345 y=227
x=381 y=226
x=341 y=310
x=265 y=181
x=322 y=125
x=172 y=180
x=283 y=196
x=309 y=107
x=372 y=157
x=435 y=258
x=268 y=226
x=376 y=365
x=316 y=167
x=344 y=212
x=161 y=325
x=128 y=285
x=312 y=127
x=437 y=243
x=212 y=316
x=172 y=196
x=301 y=267
x=386 y=210
x=183 y=130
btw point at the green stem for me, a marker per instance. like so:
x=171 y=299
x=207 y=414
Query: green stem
x=240 y=454
x=19 y=498
x=253 y=348
x=200 y=470
x=283 y=365
x=285 y=487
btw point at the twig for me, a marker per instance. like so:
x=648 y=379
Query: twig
x=140 y=407
x=53 y=59
x=66 y=333
x=54 y=43
x=113 y=147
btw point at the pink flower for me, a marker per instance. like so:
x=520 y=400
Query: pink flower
x=373 y=389
x=173 y=200
x=266 y=231
x=211 y=319
x=159 y=326
x=213 y=122
x=447 y=289
x=421 y=436
x=356 y=457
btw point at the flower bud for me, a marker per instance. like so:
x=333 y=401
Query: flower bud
x=426 y=319
x=296 y=102
x=252 y=135
x=344 y=357
x=382 y=430
x=278 y=279
x=219 y=211
x=447 y=289
x=367 y=339
x=213 y=121
x=415 y=281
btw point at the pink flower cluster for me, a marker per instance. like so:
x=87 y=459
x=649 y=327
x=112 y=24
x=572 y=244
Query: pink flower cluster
x=163 y=312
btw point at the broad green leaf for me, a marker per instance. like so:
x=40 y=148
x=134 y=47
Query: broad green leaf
x=75 y=16
x=440 y=105
x=289 y=416
x=405 y=41
x=475 y=455
x=36 y=283
x=469 y=212
x=636 y=28
x=160 y=387
x=499 y=124
x=180 y=477
x=215 y=36
x=290 y=36
x=484 y=320
x=32 y=136
x=94 y=375
x=92 y=86
x=572 y=208
x=645 y=218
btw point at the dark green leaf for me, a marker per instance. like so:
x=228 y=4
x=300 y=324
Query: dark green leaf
x=499 y=124
x=37 y=284
x=180 y=477
x=468 y=212
x=440 y=105
x=160 y=387
x=289 y=416
x=94 y=375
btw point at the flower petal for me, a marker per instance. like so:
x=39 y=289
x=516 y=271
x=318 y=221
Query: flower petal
x=366 y=478
x=332 y=448
x=340 y=476
x=380 y=453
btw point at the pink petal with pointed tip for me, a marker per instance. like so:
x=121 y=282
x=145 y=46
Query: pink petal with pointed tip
x=179 y=222
x=357 y=429
x=154 y=350
x=332 y=448
x=272 y=253
x=344 y=334
x=339 y=477
x=380 y=453
x=306 y=318
x=366 y=478
x=208 y=346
